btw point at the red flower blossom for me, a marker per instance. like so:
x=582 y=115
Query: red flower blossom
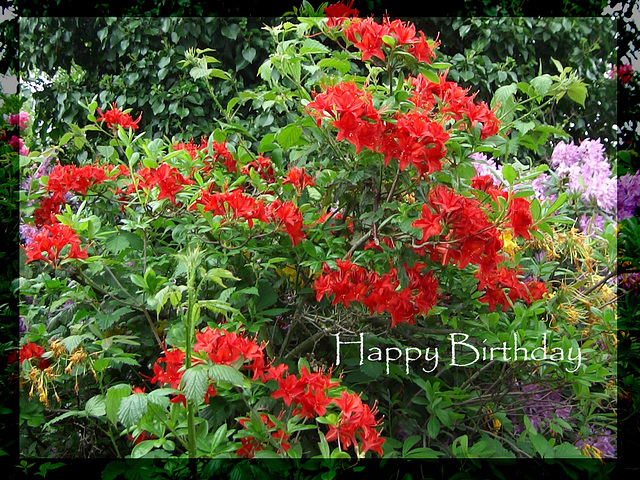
x=167 y=178
x=298 y=179
x=287 y=215
x=33 y=350
x=48 y=243
x=262 y=165
x=356 y=418
x=233 y=204
x=337 y=13
x=115 y=116
x=251 y=445
x=520 y=219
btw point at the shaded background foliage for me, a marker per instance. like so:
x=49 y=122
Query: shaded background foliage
x=80 y=46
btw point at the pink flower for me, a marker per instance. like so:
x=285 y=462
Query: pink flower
x=21 y=119
x=18 y=145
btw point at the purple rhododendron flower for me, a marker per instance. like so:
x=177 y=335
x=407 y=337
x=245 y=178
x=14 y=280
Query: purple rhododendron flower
x=628 y=195
x=588 y=172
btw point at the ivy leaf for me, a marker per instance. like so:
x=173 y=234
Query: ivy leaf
x=249 y=54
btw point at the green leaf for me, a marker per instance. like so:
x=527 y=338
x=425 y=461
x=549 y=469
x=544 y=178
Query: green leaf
x=577 y=91
x=540 y=444
x=96 y=406
x=142 y=448
x=249 y=54
x=195 y=383
x=225 y=373
x=561 y=200
x=288 y=136
x=114 y=395
x=132 y=409
x=542 y=84
x=509 y=174
x=341 y=65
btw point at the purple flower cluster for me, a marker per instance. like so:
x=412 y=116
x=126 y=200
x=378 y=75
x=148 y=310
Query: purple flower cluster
x=628 y=195
x=588 y=172
x=542 y=406
x=600 y=439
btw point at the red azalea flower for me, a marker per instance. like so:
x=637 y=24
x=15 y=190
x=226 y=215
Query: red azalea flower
x=33 y=350
x=287 y=214
x=115 y=116
x=51 y=240
x=298 y=178
x=520 y=219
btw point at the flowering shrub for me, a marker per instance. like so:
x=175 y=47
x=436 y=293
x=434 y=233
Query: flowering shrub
x=226 y=275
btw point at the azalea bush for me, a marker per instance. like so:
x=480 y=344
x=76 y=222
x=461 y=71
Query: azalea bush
x=296 y=284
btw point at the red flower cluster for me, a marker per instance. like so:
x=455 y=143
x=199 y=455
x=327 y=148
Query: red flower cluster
x=233 y=204
x=115 y=116
x=222 y=348
x=352 y=112
x=222 y=155
x=414 y=138
x=69 y=178
x=309 y=392
x=167 y=178
x=50 y=241
x=220 y=152
x=453 y=102
x=368 y=36
x=227 y=348
x=251 y=445
x=33 y=350
x=463 y=234
x=353 y=283
x=336 y=13
x=356 y=418
x=288 y=216
x=298 y=179
x=494 y=283
x=191 y=147
x=262 y=165
x=463 y=230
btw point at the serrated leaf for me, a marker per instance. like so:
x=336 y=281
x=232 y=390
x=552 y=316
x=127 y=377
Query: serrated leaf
x=112 y=403
x=73 y=341
x=132 y=409
x=199 y=72
x=288 y=136
x=225 y=373
x=542 y=84
x=96 y=406
x=341 y=65
x=195 y=383
x=577 y=92
x=313 y=46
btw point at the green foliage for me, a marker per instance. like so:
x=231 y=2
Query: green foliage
x=162 y=263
